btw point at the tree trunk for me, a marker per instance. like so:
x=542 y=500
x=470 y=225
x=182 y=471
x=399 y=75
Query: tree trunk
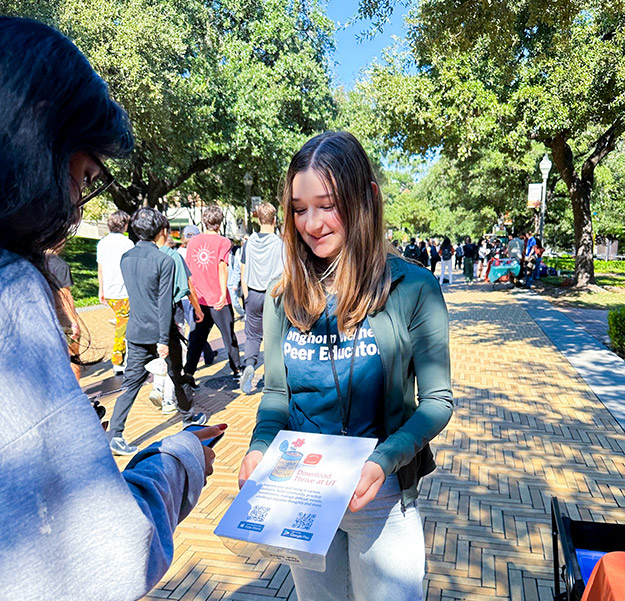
x=579 y=192
x=582 y=222
x=151 y=193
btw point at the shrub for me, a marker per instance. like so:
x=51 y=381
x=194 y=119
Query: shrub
x=616 y=330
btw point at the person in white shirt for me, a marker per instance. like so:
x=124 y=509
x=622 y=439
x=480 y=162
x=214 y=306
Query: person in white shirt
x=112 y=290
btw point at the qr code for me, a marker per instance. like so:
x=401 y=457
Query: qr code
x=258 y=513
x=304 y=521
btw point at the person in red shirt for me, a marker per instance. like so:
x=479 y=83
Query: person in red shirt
x=207 y=257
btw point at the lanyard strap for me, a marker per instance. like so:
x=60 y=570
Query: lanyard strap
x=345 y=410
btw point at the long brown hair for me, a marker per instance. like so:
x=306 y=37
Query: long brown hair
x=361 y=279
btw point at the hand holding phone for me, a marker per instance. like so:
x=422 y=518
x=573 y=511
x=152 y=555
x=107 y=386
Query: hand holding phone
x=209 y=441
x=208 y=436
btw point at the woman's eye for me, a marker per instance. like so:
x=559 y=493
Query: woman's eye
x=299 y=211
x=328 y=207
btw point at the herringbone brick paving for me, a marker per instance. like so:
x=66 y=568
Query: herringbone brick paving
x=525 y=427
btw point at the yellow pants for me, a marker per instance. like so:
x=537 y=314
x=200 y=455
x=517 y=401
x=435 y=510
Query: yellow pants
x=121 y=308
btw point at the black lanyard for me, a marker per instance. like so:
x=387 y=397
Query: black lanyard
x=345 y=410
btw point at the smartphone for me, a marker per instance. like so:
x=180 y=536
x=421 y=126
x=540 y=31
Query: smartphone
x=210 y=442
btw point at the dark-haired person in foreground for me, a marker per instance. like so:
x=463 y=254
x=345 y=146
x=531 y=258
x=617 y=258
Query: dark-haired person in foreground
x=71 y=526
x=149 y=277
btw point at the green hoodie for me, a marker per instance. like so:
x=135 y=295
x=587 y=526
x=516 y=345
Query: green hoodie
x=412 y=334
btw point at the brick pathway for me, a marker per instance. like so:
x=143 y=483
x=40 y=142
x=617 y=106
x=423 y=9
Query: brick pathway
x=526 y=427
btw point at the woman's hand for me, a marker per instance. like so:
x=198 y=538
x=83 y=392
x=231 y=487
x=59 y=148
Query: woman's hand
x=371 y=479
x=248 y=465
x=209 y=454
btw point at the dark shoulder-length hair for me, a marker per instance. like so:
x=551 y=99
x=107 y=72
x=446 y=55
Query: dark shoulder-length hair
x=362 y=279
x=52 y=104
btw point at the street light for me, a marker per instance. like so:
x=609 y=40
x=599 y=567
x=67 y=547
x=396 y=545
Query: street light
x=545 y=168
x=248 y=180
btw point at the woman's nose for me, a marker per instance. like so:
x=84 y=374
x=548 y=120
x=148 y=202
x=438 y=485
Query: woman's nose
x=314 y=223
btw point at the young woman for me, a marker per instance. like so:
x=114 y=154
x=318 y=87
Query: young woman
x=446 y=252
x=71 y=526
x=340 y=279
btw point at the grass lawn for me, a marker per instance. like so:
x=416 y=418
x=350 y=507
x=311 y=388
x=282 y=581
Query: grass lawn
x=609 y=275
x=81 y=258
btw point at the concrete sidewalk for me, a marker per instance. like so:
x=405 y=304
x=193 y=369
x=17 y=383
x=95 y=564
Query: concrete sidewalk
x=526 y=426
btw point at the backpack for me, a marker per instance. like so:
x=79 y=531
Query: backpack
x=412 y=252
x=446 y=253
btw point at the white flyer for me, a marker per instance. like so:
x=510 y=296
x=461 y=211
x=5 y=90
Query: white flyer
x=291 y=507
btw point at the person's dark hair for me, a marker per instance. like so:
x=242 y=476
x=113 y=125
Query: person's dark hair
x=412 y=240
x=118 y=222
x=446 y=242
x=212 y=217
x=165 y=222
x=52 y=105
x=147 y=223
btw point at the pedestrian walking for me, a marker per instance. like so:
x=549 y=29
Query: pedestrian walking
x=111 y=287
x=164 y=393
x=434 y=257
x=187 y=233
x=207 y=257
x=412 y=251
x=469 y=251
x=71 y=525
x=234 y=279
x=61 y=277
x=446 y=253
x=424 y=257
x=459 y=253
x=384 y=319
x=149 y=276
x=261 y=263
x=483 y=254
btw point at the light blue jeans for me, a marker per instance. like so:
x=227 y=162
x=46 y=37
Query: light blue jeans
x=377 y=553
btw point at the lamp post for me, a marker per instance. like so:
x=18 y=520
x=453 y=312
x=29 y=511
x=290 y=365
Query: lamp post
x=248 y=180
x=545 y=168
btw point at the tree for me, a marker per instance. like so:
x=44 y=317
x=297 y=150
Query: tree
x=508 y=73
x=213 y=88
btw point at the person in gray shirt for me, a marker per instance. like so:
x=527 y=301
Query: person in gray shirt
x=72 y=527
x=261 y=262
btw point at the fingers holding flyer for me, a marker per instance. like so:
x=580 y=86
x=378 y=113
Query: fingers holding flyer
x=371 y=479
x=250 y=461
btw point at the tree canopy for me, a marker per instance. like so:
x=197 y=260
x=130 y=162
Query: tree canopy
x=214 y=89
x=498 y=76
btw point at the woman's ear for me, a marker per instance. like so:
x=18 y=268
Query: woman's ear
x=375 y=189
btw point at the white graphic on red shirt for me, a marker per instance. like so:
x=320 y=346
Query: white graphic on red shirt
x=205 y=257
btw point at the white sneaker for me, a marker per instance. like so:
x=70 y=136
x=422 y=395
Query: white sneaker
x=246 y=379
x=156 y=396
x=169 y=407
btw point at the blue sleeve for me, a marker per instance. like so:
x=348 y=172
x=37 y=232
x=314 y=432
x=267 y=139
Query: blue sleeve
x=166 y=480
